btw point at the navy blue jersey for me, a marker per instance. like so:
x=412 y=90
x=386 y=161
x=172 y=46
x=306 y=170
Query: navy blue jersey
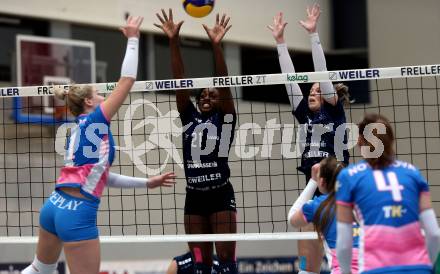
x=185 y=264
x=326 y=120
x=206 y=144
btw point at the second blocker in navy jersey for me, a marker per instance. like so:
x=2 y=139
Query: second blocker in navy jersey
x=206 y=142
x=318 y=131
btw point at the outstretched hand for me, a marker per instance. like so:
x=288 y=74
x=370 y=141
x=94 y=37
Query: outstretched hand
x=315 y=172
x=167 y=25
x=278 y=27
x=167 y=180
x=311 y=22
x=219 y=30
x=131 y=28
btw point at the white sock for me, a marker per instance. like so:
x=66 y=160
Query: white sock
x=38 y=267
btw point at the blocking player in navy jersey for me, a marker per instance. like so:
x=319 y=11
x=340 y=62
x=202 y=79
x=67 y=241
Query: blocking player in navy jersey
x=393 y=204
x=68 y=217
x=321 y=210
x=207 y=138
x=320 y=113
x=184 y=264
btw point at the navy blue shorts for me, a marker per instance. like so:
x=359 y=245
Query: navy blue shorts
x=205 y=203
x=69 y=218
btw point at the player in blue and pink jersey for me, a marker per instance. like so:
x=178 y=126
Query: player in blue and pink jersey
x=321 y=210
x=207 y=139
x=68 y=217
x=393 y=204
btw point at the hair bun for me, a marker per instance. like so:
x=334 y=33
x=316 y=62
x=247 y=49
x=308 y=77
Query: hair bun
x=59 y=92
x=341 y=87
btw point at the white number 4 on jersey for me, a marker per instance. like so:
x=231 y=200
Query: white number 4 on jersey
x=394 y=187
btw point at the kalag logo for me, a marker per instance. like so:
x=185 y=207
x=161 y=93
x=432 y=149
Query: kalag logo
x=110 y=86
x=297 y=78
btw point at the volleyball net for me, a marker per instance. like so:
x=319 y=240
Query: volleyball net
x=263 y=157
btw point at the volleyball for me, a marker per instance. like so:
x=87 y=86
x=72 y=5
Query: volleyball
x=198 y=8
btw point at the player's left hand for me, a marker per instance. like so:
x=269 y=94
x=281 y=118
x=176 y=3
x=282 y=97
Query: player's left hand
x=167 y=180
x=277 y=28
x=219 y=30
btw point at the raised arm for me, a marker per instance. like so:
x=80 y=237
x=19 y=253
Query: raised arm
x=293 y=90
x=296 y=216
x=216 y=35
x=122 y=181
x=310 y=24
x=129 y=68
x=171 y=29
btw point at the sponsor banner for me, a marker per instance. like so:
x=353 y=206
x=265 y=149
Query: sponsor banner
x=9 y=92
x=254 y=265
x=149 y=85
x=245 y=80
x=15 y=268
x=173 y=84
x=420 y=70
x=276 y=265
x=109 y=87
x=135 y=267
x=359 y=74
x=298 y=77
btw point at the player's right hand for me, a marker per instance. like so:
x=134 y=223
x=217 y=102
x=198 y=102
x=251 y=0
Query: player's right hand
x=167 y=25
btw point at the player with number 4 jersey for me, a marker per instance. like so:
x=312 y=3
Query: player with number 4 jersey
x=392 y=201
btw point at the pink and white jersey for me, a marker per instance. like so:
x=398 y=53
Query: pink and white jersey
x=89 y=155
x=387 y=204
